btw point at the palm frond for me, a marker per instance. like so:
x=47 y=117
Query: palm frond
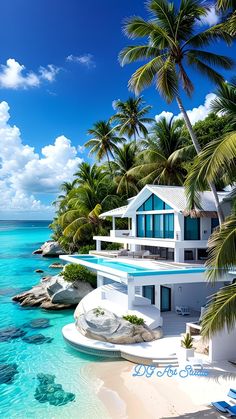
x=167 y=82
x=211 y=58
x=144 y=75
x=221 y=312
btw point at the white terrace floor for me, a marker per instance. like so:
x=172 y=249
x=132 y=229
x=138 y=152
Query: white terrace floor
x=164 y=351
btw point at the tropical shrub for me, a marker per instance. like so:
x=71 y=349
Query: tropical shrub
x=74 y=272
x=187 y=341
x=98 y=311
x=132 y=318
x=84 y=250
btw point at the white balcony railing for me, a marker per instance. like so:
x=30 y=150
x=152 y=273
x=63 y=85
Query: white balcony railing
x=120 y=233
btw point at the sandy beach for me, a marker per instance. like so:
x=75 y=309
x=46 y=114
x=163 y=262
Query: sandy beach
x=136 y=397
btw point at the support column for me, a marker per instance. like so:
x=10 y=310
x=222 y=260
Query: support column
x=98 y=245
x=100 y=280
x=158 y=296
x=131 y=296
x=113 y=223
x=179 y=254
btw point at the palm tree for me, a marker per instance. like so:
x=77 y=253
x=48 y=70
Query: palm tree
x=130 y=117
x=87 y=174
x=228 y=7
x=124 y=161
x=104 y=141
x=171 y=43
x=159 y=162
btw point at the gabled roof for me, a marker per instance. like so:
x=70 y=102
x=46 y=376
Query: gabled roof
x=172 y=195
x=175 y=197
x=116 y=212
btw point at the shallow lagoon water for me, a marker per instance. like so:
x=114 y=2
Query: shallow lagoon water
x=17 y=266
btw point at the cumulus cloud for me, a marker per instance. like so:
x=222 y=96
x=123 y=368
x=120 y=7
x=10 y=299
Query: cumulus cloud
x=212 y=18
x=164 y=114
x=13 y=75
x=196 y=114
x=85 y=59
x=25 y=173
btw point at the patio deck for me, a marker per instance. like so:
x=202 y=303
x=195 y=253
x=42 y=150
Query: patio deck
x=174 y=324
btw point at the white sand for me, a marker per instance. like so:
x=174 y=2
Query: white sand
x=125 y=396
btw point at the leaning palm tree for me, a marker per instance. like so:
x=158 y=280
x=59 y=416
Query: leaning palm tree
x=171 y=43
x=130 y=117
x=104 y=141
x=228 y=7
x=125 y=159
x=158 y=162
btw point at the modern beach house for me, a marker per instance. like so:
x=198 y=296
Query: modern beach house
x=159 y=274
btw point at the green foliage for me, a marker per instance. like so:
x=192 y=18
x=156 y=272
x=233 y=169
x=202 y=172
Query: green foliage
x=73 y=272
x=187 y=341
x=132 y=318
x=98 y=311
x=84 y=250
x=112 y=246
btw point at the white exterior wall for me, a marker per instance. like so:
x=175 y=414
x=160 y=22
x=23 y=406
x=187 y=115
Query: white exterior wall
x=193 y=295
x=222 y=346
x=205 y=228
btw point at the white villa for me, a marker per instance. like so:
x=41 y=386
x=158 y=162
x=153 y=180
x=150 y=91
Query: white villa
x=159 y=275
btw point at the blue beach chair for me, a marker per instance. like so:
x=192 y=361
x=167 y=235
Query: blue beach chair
x=224 y=407
x=232 y=393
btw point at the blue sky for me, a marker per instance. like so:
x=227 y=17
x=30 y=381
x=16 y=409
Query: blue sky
x=70 y=77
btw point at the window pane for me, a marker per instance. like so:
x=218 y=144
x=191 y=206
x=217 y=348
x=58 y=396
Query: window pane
x=191 y=228
x=158 y=203
x=168 y=207
x=158 y=226
x=149 y=227
x=140 y=208
x=214 y=223
x=148 y=204
x=141 y=225
x=169 y=226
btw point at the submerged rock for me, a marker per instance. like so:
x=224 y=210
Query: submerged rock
x=9 y=333
x=7 y=373
x=108 y=327
x=39 y=271
x=48 y=391
x=39 y=323
x=37 y=339
x=37 y=252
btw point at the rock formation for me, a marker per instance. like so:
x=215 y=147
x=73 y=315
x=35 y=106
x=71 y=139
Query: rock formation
x=7 y=373
x=54 y=293
x=103 y=325
x=48 y=391
x=50 y=248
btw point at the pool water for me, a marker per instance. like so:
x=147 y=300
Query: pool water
x=125 y=267
x=71 y=368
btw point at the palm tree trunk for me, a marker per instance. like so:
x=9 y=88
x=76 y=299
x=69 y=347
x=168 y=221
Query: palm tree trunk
x=198 y=149
x=109 y=163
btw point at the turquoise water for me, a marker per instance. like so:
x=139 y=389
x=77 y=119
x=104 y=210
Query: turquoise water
x=71 y=369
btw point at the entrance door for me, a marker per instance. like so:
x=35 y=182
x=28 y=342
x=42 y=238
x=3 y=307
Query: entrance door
x=149 y=292
x=165 y=299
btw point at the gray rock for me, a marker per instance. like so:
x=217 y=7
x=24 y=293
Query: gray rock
x=9 y=333
x=52 y=249
x=7 y=373
x=48 y=391
x=41 y=323
x=37 y=339
x=70 y=294
x=39 y=271
x=38 y=252
x=103 y=325
x=56 y=265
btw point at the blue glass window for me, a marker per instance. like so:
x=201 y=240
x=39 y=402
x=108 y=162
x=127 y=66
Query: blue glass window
x=158 y=203
x=140 y=208
x=167 y=207
x=169 y=226
x=140 y=225
x=158 y=230
x=191 y=228
x=214 y=223
x=148 y=226
x=148 y=204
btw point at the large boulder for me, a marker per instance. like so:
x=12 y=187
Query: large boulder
x=54 y=293
x=103 y=325
x=72 y=294
x=52 y=249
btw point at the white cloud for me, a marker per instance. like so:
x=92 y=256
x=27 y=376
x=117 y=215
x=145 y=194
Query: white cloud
x=81 y=149
x=164 y=114
x=195 y=114
x=14 y=75
x=212 y=18
x=25 y=173
x=85 y=59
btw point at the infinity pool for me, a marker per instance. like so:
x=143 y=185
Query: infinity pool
x=133 y=269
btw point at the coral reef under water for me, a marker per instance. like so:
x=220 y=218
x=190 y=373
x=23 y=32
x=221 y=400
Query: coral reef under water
x=48 y=391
